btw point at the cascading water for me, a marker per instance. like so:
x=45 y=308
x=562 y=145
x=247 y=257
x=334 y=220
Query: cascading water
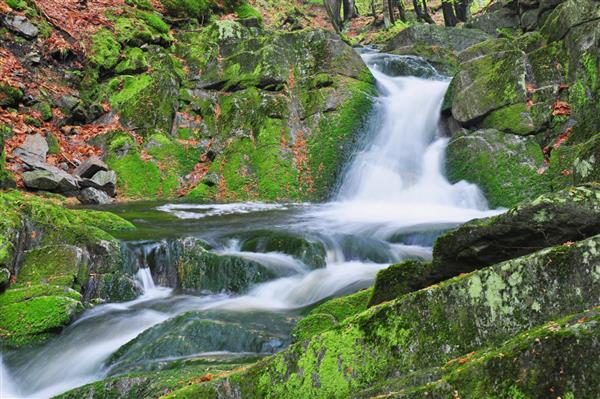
x=392 y=201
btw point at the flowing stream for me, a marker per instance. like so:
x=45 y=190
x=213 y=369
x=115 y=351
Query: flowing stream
x=391 y=203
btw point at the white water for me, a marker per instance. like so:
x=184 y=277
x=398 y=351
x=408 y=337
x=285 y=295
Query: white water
x=394 y=184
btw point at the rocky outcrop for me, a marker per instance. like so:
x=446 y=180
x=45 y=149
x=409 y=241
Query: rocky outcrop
x=427 y=328
x=55 y=256
x=438 y=45
x=541 y=85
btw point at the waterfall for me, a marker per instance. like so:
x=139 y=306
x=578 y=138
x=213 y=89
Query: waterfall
x=8 y=389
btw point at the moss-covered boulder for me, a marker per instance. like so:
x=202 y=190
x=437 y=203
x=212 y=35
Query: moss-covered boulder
x=504 y=166
x=544 y=359
x=330 y=313
x=438 y=45
x=154 y=384
x=6 y=179
x=51 y=250
x=552 y=219
x=310 y=251
x=428 y=328
x=400 y=279
x=201 y=270
x=488 y=83
x=202 y=332
x=33 y=314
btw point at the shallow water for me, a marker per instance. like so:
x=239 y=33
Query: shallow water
x=391 y=203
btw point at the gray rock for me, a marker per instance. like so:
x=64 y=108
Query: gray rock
x=51 y=179
x=21 y=25
x=456 y=39
x=494 y=22
x=211 y=179
x=102 y=180
x=93 y=196
x=90 y=167
x=67 y=103
x=35 y=148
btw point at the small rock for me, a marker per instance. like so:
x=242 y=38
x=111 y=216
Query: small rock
x=21 y=25
x=90 y=167
x=102 y=180
x=67 y=103
x=34 y=147
x=93 y=196
x=51 y=178
x=34 y=57
x=211 y=179
x=63 y=166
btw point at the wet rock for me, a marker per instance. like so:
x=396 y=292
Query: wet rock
x=438 y=45
x=34 y=148
x=552 y=219
x=504 y=166
x=310 y=251
x=93 y=196
x=111 y=287
x=196 y=332
x=89 y=167
x=204 y=271
x=21 y=25
x=51 y=179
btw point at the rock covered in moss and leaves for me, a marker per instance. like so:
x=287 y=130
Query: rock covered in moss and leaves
x=400 y=279
x=428 y=328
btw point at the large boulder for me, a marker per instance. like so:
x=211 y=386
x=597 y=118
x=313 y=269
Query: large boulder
x=504 y=165
x=197 y=332
x=551 y=219
x=21 y=25
x=438 y=45
x=51 y=178
x=34 y=147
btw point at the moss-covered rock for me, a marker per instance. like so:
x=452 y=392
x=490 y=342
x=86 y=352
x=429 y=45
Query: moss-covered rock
x=201 y=270
x=397 y=280
x=428 y=328
x=278 y=129
x=54 y=264
x=6 y=179
x=134 y=62
x=505 y=166
x=199 y=332
x=438 y=45
x=310 y=251
x=544 y=359
x=33 y=320
x=199 y=9
x=105 y=49
x=551 y=219
x=330 y=313
x=156 y=384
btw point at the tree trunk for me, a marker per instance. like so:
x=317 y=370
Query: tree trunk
x=448 y=11
x=401 y=11
x=388 y=18
x=333 y=8
x=349 y=10
x=418 y=10
x=426 y=15
x=461 y=8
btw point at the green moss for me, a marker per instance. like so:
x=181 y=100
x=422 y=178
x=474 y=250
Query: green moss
x=16 y=295
x=246 y=11
x=140 y=28
x=398 y=280
x=45 y=110
x=105 y=49
x=18 y=5
x=56 y=265
x=10 y=96
x=33 y=320
x=513 y=119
